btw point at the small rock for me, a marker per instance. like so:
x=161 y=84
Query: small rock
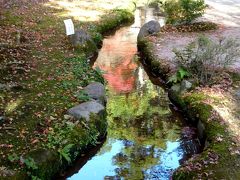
x=52 y=118
x=67 y=117
x=83 y=41
x=176 y=88
x=237 y=94
x=148 y=28
x=85 y=109
x=4 y=87
x=185 y=85
x=46 y=160
x=96 y=91
x=2 y=119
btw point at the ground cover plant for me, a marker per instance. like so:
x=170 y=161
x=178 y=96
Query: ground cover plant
x=207 y=60
x=183 y=11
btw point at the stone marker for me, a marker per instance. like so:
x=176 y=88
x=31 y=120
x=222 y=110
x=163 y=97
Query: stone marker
x=69 y=27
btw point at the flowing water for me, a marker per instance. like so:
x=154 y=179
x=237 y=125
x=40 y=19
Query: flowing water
x=146 y=139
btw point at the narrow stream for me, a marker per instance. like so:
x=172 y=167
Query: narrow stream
x=146 y=139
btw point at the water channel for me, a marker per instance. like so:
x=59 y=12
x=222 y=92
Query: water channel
x=146 y=139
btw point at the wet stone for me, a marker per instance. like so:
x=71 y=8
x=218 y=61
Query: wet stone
x=84 y=110
x=83 y=41
x=148 y=28
x=186 y=85
x=96 y=91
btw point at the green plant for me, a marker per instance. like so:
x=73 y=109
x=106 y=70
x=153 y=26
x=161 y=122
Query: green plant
x=183 y=11
x=178 y=76
x=56 y=137
x=78 y=72
x=154 y=3
x=97 y=38
x=206 y=59
x=30 y=163
x=13 y=157
x=192 y=9
x=65 y=152
x=82 y=96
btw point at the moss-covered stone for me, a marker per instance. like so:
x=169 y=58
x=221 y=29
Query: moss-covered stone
x=47 y=163
x=217 y=141
x=157 y=66
x=112 y=20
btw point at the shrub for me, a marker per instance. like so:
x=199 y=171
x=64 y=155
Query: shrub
x=205 y=59
x=183 y=11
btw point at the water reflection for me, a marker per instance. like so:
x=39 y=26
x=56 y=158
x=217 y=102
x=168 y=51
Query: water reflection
x=117 y=60
x=145 y=138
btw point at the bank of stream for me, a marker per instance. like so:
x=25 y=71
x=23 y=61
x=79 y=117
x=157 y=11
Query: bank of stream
x=147 y=138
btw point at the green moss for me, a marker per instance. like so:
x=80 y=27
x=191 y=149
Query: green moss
x=235 y=77
x=156 y=66
x=11 y=19
x=195 y=108
x=183 y=175
x=89 y=49
x=113 y=20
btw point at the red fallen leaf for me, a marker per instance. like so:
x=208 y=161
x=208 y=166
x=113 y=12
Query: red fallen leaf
x=6 y=145
x=34 y=141
x=46 y=131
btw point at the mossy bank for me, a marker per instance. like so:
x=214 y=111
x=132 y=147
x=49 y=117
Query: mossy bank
x=42 y=76
x=220 y=158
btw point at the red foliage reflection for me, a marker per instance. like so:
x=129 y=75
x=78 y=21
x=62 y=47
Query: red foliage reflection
x=116 y=59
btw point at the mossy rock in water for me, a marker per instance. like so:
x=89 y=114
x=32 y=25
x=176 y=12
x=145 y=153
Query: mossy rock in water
x=83 y=42
x=112 y=20
x=96 y=91
x=151 y=27
x=44 y=163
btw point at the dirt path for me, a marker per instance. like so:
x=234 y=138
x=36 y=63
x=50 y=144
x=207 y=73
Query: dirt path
x=224 y=13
